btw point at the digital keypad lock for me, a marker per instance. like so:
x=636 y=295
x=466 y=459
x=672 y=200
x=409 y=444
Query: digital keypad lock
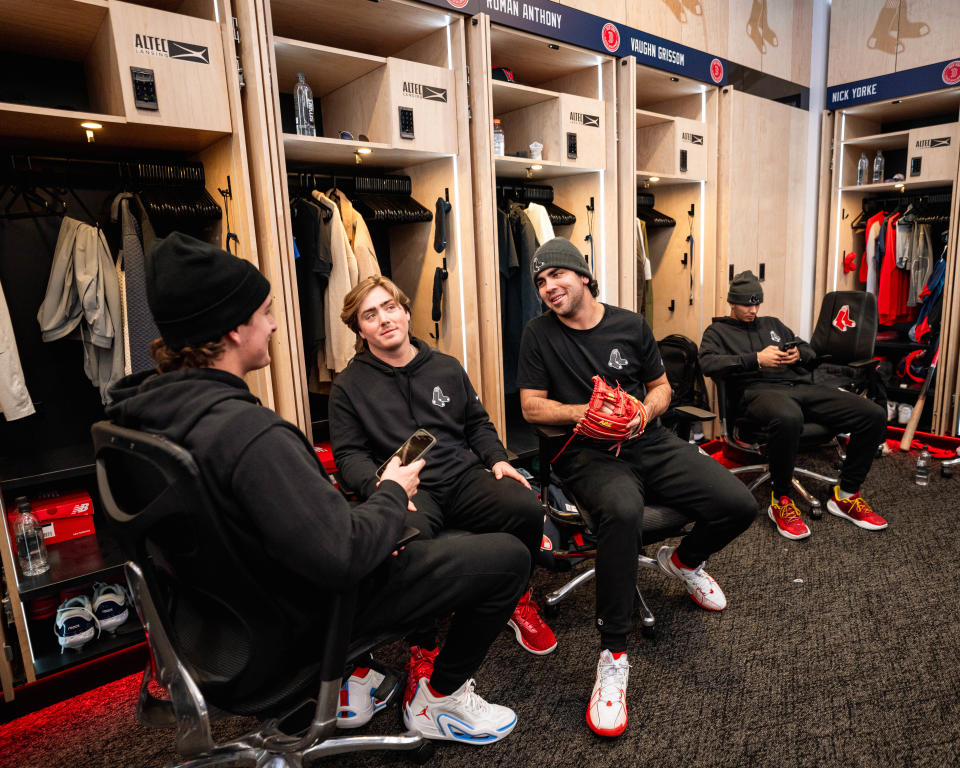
x=915 y=163
x=571 y=145
x=406 y=123
x=144 y=88
x=683 y=161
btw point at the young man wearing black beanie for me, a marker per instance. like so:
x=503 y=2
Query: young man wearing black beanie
x=560 y=353
x=303 y=538
x=764 y=365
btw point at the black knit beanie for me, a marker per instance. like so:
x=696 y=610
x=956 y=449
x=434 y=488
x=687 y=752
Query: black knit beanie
x=559 y=252
x=745 y=290
x=198 y=292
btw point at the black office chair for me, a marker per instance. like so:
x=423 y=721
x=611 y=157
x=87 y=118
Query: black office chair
x=658 y=523
x=844 y=340
x=215 y=632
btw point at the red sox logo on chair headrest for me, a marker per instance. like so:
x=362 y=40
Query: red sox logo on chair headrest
x=843 y=320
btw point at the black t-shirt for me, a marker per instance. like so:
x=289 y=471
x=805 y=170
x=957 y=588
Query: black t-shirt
x=563 y=361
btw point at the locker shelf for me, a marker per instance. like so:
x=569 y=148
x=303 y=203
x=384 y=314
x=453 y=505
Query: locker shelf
x=510 y=96
x=516 y=168
x=325 y=68
x=320 y=150
x=893 y=186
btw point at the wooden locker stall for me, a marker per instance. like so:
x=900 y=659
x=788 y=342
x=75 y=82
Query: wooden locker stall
x=918 y=137
x=368 y=66
x=762 y=165
x=74 y=133
x=668 y=161
x=565 y=99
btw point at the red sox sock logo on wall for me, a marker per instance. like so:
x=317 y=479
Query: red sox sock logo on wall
x=843 y=320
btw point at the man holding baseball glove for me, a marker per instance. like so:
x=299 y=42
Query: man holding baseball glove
x=764 y=364
x=598 y=367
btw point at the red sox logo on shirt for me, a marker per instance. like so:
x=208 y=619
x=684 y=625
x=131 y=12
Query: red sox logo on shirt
x=843 y=320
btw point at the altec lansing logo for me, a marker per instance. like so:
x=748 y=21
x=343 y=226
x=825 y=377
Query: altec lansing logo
x=591 y=120
x=171 y=49
x=428 y=92
x=610 y=36
x=693 y=138
x=943 y=141
x=843 y=320
x=951 y=72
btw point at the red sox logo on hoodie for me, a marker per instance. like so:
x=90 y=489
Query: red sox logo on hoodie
x=843 y=320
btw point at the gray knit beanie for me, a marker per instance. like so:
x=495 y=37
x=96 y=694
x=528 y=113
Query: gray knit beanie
x=559 y=252
x=745 y=290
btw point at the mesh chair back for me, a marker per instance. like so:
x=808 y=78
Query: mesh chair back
x=224 y=626
x=847 y=327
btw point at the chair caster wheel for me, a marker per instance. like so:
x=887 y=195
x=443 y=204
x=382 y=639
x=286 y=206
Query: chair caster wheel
x=421 y=754
x=650 y=633
x=550 y=611
x=816 y=511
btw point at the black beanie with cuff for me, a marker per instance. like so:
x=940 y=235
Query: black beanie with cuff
x=559 y=253
x=745 y=290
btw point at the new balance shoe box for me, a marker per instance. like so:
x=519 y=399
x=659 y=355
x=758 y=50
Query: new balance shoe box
x=64 y=517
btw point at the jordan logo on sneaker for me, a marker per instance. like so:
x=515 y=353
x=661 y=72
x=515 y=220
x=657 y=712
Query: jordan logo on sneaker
x=439 y=399
x=616 y=361
x=423 y=713
x=843 y=320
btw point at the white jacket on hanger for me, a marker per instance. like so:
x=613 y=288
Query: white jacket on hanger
x=541 y=222
x=360 y=240
x=15 y=402
x=340 y=340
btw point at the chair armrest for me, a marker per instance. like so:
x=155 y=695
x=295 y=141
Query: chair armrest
x=548 y=431
x=868 y=363
x=689 y=413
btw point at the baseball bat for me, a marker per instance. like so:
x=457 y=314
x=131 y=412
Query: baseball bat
x=911 y=427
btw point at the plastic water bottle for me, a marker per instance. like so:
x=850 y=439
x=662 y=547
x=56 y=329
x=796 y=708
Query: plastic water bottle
x=303 y=103
x=878 y=167
x=923 y=467
x=863 y=168
x=499 y=144
x=28 y=535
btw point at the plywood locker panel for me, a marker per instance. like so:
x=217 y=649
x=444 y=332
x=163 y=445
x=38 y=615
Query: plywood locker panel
x=927 y=32
x=787 y=37
x=584 y=119
x=707 y=27
x=863 y=39
x=186 y=57
x=663 y=18
x=745 y=41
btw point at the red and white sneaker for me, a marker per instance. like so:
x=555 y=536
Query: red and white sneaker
x=358 y=700
x=701 y=586
x=419 y=666
x=531 y=630
x=786 y=516
x=607 y=710
x=856 y=510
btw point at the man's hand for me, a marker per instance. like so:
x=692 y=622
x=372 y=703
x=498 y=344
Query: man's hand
x=772 y=357
x=407 y=476
x=791 y=356
x=504 y=469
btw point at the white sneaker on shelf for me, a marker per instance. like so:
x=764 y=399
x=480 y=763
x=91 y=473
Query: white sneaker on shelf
x=607 y=710
x=76 y=624
x=703 y=588
x=357 y=701
x=462 y=716
x=110 y=605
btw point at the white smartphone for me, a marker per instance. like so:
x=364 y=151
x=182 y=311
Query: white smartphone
x=415 y=448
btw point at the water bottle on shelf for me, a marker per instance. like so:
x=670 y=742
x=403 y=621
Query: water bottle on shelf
x=863 y=168
x=28 y=535
x=499 y=145
x=303 y=104
x=923 y=467
x=878 y=168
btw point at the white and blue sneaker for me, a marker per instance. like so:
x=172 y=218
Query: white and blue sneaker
x=358 y=702
x=76 y=623
x=462 y=716
x=110 y=603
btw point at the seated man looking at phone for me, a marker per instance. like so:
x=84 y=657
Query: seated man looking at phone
x=764 y=366
x=396 y=385
x=280 y=510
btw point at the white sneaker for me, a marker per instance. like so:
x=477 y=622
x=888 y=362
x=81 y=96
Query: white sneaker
x=357 y=701
x=607 y=710
x=76 y=623
x=110 y=603
x=462 y=716
x=703 y=588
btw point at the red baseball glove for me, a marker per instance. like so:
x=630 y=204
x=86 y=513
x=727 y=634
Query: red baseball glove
x=609 y=412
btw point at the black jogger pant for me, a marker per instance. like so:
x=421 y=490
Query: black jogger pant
x=661 y=469
x=783 y=408
x=476 y=578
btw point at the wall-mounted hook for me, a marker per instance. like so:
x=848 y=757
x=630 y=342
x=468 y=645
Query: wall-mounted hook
x=691 y=211
x=673 y=305
x=684 y=259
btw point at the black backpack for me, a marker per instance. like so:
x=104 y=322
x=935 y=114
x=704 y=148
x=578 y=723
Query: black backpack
x=681 y=360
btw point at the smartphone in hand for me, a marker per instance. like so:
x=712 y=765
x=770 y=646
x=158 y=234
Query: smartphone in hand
x=414 y=448
x=788 y=345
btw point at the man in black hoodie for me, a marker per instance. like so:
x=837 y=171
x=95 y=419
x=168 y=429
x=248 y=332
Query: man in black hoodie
x=765 y=367
x=396 y=385
x=303 y=538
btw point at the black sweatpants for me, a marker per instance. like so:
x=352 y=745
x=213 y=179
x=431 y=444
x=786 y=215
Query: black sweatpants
x=784 y=408
x=476 y=578
x=662 y=469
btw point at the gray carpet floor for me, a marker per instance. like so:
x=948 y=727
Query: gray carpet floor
x=840 y=650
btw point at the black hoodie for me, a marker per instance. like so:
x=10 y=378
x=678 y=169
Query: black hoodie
x=729 y=351
x=375 y=407
x=264 y=476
